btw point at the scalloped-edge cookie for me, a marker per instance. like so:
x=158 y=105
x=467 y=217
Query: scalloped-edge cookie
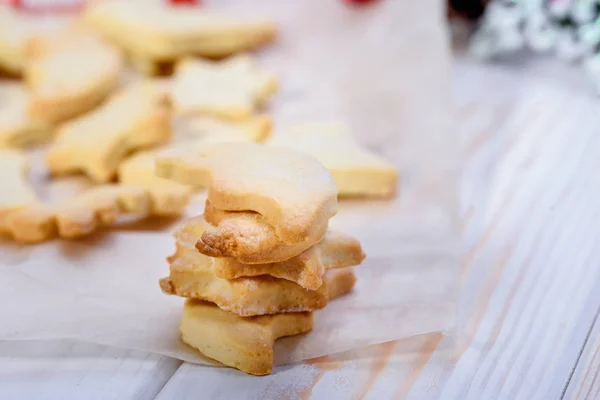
x=246 y=343
x=163 y=33
x=233 y=89
x=335 y=250
x=356 y=170
x=69 y=74
x=291 y=190
x=78 y=216
x=136 y=117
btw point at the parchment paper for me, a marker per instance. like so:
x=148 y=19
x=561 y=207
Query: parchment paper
x=382 y=68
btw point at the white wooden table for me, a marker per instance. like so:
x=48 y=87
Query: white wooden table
x=531 y=277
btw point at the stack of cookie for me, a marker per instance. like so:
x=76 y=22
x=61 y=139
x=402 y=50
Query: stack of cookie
x=261 y=258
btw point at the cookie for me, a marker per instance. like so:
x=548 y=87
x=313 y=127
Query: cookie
x=168 y=198
x=335 y=250
x=16 y=191
x=257 y=128
x=16 y=128
x=78 y=216
x=248 y=238
x=356 y=170
x=69 y=74
x=232 y=89
x=13 y=37
x=246 y=343
x=163 y=33
x=16 y=29
x=135 y=118
x=292 y=191
x=149 y=67
x=191 y=275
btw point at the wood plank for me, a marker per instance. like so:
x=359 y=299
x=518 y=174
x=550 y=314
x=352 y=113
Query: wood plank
x=530 y=290
x=585 y=381
x=372 y=372
x=69 y=370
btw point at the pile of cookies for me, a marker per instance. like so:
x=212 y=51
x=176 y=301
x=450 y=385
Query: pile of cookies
x=96 y=119
x=261 y=258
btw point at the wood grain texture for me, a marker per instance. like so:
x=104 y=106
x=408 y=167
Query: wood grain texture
x=530 y=287
x=68 y=370
x=585 y=381
x=383 y=371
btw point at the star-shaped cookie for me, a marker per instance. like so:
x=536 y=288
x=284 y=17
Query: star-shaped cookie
x=232 y=89
x=357 y=171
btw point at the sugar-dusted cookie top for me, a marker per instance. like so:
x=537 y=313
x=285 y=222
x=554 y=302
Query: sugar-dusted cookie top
x=291 y=190
x=357 y=171
x=169 y=198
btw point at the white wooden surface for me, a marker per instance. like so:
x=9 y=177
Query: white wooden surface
x=531 y=277
x=585 y=383
x=62 y=370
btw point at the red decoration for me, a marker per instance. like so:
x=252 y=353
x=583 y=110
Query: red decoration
x=47 y=6
x=359 y=2
x=184 y=2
